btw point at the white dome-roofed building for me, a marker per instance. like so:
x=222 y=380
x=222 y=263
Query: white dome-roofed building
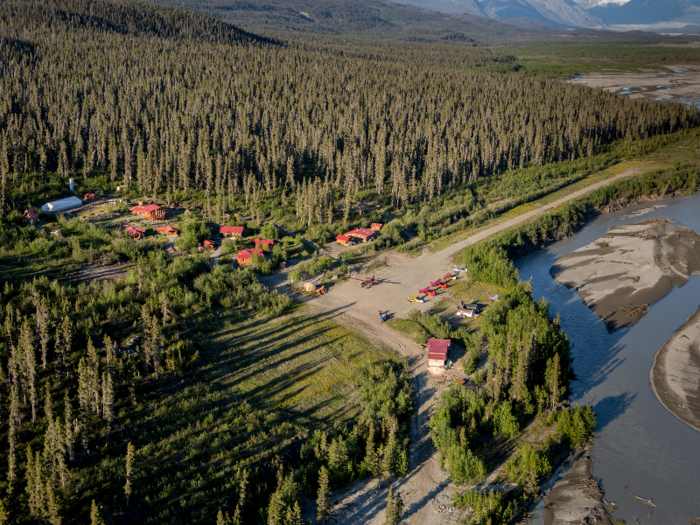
x=62 y=205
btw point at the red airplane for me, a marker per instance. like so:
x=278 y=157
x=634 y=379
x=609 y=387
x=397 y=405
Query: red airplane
x=427 y=291
x=367 y=282
x=439 y=283
x=449 y=277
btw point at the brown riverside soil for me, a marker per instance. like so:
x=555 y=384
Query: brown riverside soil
x=576 y=498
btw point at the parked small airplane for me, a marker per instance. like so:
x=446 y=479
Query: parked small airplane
x=427 y=291
x=449 y=277
x=439 y=283
x=415 y=299
x=457 y=269
x=367 y=282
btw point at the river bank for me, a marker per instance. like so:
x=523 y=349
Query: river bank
x=675 y=376
x=640 y=446
x=576 y=497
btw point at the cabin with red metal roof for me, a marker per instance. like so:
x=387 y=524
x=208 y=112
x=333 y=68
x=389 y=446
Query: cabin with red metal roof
x=344 y=240
x=168 y=230
x=264 y=243
x=152 y=212
x=208 y=245
x=361 y=234
x=438 y=349
x=235 y=232
x=30 y=216
x=245 y=257
x=376 y=226
x=136 y=233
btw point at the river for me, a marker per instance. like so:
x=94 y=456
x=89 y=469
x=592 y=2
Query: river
x=638 y=443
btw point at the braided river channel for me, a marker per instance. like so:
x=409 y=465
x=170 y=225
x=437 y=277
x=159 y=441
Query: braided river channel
x=640 y=447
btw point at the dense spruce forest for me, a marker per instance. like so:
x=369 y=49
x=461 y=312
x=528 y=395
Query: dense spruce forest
x=97 y=88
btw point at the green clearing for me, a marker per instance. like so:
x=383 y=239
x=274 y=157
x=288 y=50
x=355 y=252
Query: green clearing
x=261 y=386
x=565 y=61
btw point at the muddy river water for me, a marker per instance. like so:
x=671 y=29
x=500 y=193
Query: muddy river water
x=640 y=447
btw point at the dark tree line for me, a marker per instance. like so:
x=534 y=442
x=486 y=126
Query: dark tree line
x=165 y=100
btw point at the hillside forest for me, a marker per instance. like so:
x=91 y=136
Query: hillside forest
x=94 y=88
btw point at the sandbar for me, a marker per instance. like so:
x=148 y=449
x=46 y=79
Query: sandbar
x=634 y=265
x=675 y=376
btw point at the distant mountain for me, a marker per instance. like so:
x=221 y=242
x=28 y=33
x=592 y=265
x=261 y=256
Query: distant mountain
x=566 y=13
x=636 y=12
x=374 y=18
x=590 y=4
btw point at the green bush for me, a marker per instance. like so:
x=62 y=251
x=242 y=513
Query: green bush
x=528 y=468
x=576 y=424
x=269 y=231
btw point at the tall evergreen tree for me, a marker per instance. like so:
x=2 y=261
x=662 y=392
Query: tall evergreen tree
x=95 y=515
x=323 y=502
x=130 y=452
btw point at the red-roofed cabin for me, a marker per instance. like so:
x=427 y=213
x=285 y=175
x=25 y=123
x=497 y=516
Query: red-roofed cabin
x=30 y=216
x=168 y=230
x=150 y=211
x=344 y=240
x=361 y=234
x=235 y=232
x=376 y=226
x=245 y=257
x=208 y=245
x=438 y=349
x=264 y=243
x=136 y=233
x=89 y=196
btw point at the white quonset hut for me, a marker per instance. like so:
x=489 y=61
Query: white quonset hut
x=62 y=205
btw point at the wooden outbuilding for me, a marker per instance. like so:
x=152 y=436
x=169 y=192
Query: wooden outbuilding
x=264 y=243
x=136 y=233
x=344 y=240
x=361 y=234
x=245 y=257
x=30 y=216
x=376 y=226
x=438 y=350
x=151 y=212
x=234 y=232
x=168 y=230
x=208 y=245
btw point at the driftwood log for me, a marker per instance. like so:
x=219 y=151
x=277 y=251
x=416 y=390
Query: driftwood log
x=645 y=500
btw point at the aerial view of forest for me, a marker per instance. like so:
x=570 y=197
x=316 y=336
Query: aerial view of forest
x=285 y=262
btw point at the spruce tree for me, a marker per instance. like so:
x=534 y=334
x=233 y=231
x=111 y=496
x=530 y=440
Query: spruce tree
x=222 y=518
x=394 y=508
x=275 y=512
x=389 y=511
x=294 y=515
x=4 y=515
x=323 y=503
x=95 y=516
x=371 y=461
x=129 y=471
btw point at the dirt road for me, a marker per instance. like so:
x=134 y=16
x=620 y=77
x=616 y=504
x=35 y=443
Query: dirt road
x=427 y=488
